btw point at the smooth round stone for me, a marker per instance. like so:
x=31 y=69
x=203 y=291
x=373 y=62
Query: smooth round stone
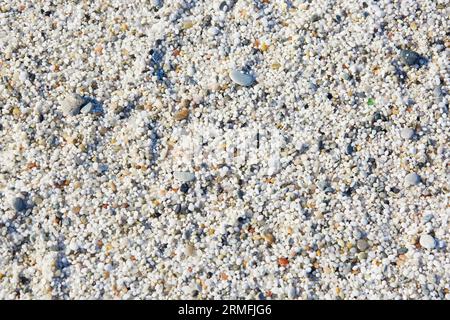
x=71 y=104
x=241 y=78
x=427 y=241
x=362 y=245
x=362 y=256
x=184 y=176
x=191 y=71
x=407 y=133
x=357 y=234
x=412 y=179
x=292 y=292
x=23 y=76
x=427 y=218
x=410 y=57
x=158 y=3
x=189 y=250
x=19 y=204
x=214 y=31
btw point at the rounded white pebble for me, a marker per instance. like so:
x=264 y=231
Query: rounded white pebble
x=427 y=241
x=407 y=133
x=412 y=179
x=71 y=104
x=214 y=31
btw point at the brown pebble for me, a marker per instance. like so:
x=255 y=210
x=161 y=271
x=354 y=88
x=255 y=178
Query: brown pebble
x=182 y=114
x=223 y=276
x=190 y=250
x=113 y=186
x=269 y=238
x=32 y=165
x=76 y=209
x=185 y=103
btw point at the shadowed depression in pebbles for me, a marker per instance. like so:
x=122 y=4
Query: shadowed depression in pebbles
x=236 y=149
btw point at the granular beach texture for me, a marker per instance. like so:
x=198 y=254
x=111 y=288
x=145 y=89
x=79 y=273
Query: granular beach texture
x=231 y=149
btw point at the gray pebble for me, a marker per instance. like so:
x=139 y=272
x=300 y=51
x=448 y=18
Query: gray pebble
x=313 y=87
x=362 y=256
x=19 y=204
x=292 y=292
x=315 y=17
x=346 y=76
x=357 y=234
x=410 y=57
x=184 y=176
x=223 y=6
x=427 y=218
x=412 y=179
x=346 y=269
x=213 y=31
x=362 y=245
x=427 y=241
x=241 y=78
x=323 y=184
x=158 y=3
x=71 y=104
x=407 y=133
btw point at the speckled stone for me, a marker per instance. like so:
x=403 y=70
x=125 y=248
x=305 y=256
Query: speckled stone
x=362 y=244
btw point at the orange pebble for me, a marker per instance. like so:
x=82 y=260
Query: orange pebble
x=283 y=262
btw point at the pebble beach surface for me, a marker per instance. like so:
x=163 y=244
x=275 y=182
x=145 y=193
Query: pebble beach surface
x=231 y=149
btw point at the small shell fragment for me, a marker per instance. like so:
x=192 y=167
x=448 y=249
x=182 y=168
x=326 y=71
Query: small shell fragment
x=241 y=78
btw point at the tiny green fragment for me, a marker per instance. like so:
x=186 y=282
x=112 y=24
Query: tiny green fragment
x=371 y=101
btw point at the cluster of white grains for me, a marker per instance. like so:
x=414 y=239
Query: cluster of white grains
x=236 y=149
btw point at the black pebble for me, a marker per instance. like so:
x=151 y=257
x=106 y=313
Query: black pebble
x=378 y=116
x=348 y=192
x=24 y=280
x=184 y=188
x=395 y=190
x=195 y=293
